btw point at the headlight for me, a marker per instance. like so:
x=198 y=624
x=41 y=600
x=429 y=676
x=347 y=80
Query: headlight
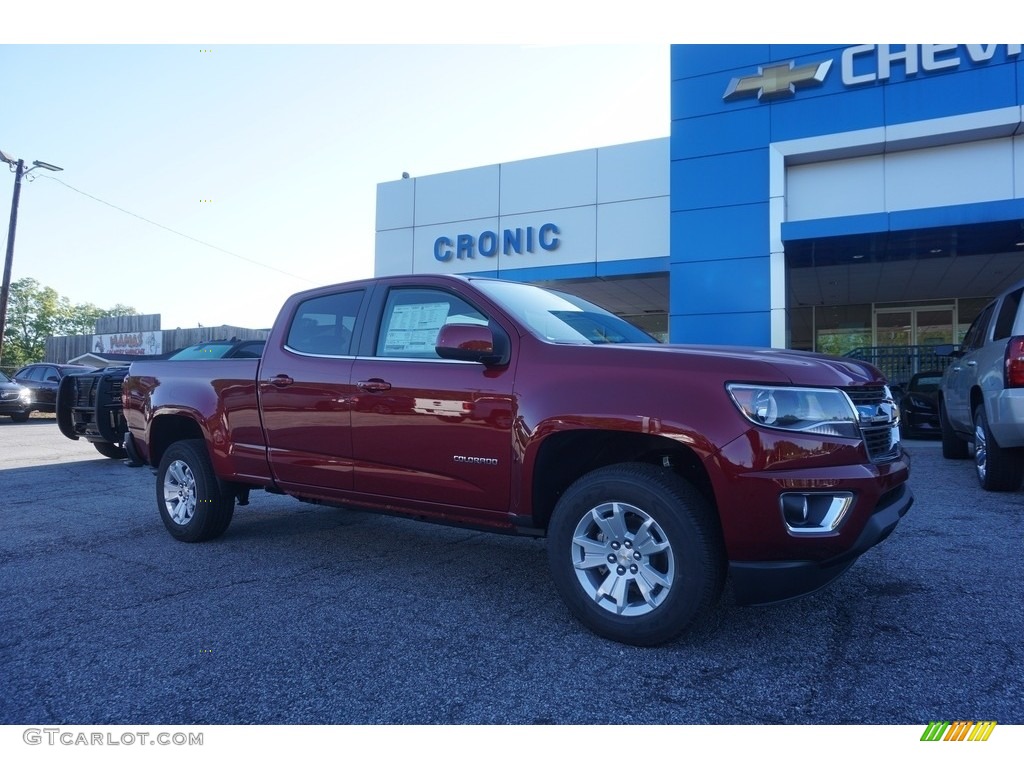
x=25 y=395
x=797 y=409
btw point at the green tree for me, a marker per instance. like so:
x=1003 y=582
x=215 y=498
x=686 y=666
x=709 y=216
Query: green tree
x=36 y=312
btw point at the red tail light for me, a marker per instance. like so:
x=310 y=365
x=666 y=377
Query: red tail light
x=1015 y=362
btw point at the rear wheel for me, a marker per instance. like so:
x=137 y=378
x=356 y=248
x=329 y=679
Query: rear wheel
x=953 y=446
x=190 y=500
x=636 y=554
x=999 y=469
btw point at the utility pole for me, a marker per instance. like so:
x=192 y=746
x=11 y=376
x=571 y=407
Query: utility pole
x=5 y=289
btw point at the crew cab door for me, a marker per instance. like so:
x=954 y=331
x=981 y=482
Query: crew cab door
x=305 y=394
x=424 y=428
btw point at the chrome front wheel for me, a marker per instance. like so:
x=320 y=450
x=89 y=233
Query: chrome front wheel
x=636 y=553
x=623 y=559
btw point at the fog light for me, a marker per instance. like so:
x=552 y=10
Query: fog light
x=809 y=514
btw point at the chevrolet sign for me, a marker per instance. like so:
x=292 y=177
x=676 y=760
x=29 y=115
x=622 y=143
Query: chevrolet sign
x=861 y=64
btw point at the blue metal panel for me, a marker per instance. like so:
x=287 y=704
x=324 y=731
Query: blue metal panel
x=748 y=329
x=716 y=287
x=833 y=227
x=731 y=179
x=632 y=267
x=736 y=232
x=954 y=93
x=953 y=215
x=696 y=60
x=825 y=113
x=555 y=272
x=724 y=132
x=896 y=221
x=789 y=51
x=626 y=267
x=697 y=96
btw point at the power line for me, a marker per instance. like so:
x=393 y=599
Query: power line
x=176 y=232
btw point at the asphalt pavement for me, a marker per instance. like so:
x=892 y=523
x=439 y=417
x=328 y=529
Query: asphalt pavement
x=303 y=614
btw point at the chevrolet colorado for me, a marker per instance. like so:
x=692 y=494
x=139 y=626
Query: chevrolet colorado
x=655 y=471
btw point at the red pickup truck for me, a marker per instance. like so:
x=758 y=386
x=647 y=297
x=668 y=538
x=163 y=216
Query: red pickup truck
x=655 y=471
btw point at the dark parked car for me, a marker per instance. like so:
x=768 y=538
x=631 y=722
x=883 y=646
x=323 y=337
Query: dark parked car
x=15 y=400
x=42 y=380
x=919 y=406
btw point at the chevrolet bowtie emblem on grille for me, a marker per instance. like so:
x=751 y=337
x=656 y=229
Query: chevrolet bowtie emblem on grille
x=776 y=81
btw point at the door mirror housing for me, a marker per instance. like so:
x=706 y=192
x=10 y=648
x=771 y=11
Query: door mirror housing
x=472 y=343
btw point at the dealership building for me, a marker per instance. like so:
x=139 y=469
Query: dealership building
x=830 y=198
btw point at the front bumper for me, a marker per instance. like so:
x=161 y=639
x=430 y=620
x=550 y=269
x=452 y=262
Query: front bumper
x=760 y=583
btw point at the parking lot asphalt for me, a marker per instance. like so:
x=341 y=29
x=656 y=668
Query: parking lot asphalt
x=302 y=614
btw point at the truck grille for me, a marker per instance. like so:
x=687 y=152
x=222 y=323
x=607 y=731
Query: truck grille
x=84 y=387
x=879 y=421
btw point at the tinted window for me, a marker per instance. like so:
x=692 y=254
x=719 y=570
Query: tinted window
x=210 y=350
x=30 y=373
x=253 y=349
x=323 y=325
x=413 y=316
x=925 y=382
x=1007 y=314
x=976 y=333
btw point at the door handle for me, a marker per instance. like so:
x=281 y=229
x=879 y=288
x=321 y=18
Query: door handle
x=282 y=380
x=374 y=385
x=972 y=363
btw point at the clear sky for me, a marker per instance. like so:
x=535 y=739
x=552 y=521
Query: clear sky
x=273 y=154
x=219 y=157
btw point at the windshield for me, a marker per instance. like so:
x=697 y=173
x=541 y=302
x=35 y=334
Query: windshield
x=207 y=351
x=3 y=376
x=929 y=383
x=561 y=317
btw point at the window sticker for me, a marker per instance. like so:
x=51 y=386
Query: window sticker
x=413 y=328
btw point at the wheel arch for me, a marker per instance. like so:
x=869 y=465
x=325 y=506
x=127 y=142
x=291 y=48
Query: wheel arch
x=167 y=429
x=564 y=457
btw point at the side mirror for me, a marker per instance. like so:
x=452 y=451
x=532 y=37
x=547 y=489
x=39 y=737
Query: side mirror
x=469 y=342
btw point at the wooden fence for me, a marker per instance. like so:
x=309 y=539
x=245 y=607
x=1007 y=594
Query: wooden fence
x=60 y=349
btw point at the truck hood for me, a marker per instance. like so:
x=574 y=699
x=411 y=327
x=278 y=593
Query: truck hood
x=765 y=364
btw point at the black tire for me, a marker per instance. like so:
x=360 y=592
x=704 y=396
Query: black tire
x=998 y=469
x=20 y=418
x=110 y=450
x=953 y=446
x=188 y=496
x=681 y=546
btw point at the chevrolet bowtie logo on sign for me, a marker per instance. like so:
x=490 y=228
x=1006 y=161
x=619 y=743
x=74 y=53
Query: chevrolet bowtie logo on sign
x=777 y=81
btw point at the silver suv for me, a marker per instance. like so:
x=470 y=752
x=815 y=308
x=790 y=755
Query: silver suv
x=981 y=398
